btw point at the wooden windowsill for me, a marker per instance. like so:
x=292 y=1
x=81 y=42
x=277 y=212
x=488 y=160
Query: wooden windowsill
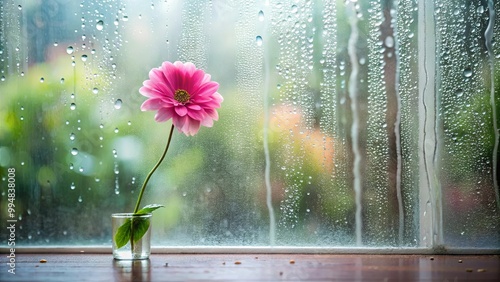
x=252 y=267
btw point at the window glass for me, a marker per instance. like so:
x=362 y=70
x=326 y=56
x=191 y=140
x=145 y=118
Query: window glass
x=344 y=123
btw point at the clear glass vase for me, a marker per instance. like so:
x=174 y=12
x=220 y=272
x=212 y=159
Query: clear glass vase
x=139 y=249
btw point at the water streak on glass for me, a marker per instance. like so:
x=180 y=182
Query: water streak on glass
x=397 y=128
x=353 y=95
x=267 y=171
x=488 y=34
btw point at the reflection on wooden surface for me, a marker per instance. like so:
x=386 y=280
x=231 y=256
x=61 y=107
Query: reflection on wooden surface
x=254 y=267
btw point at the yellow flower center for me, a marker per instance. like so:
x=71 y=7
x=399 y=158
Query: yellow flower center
x=181 y=96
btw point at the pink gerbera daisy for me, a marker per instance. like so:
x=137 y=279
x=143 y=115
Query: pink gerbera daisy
x=188 y=96
x=184 y=93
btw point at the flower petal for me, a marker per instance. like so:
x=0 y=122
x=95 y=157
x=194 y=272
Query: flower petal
x=207 y=121
x=193 y=107
x=218 y=97
x=194 y=126
x=210 y=105
x=196 y=79
x=212 y=113
x=181 y=110
x=170 y=73
x=189 y=69
x=150 y=92
x=164 y=114
x=208 y=88
x=152 y=104
x=157 y=81
x=197 y=115
x=206 y=78
x=179 y=121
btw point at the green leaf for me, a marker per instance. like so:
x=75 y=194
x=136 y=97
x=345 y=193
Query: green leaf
x=122 y=235
x=140 y=227
x=132 y=228
x=149 y=208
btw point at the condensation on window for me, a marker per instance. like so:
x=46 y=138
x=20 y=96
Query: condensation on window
x=344 y=123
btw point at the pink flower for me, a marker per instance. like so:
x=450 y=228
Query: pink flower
x=184 y=93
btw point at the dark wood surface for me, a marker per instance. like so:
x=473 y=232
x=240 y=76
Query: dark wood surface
x=252 y=267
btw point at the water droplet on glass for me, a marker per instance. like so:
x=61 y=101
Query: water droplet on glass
x=42 y=80
x=55 y=44
x=84 y=58
x=261 y=15
x=72 y=106
x=389 y=41
x=70 y=50
x=125 y=18
x=101 y=125
x=72 y=136
x=294 y=9
x=116 y=130
x=129 y=122
x=19 y=7
x=480 y=9
x=80 y=199
x=99 y=25
x=72 y=186
x=184 y=194
x=467 y=72
x=21 y=118
x=258 y=39
x=74 y=152
x=71 y=166
x=118 y=104
x=95 y=90
x=62 y=80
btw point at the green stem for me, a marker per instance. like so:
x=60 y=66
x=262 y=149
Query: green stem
x=153 y=170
